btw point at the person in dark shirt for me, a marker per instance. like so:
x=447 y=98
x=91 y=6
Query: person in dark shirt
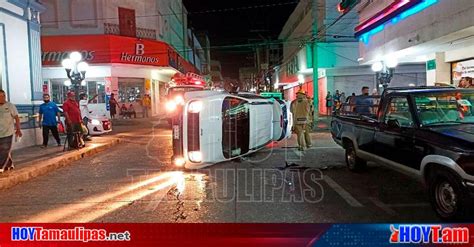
x=49 y=118
x=363 y=102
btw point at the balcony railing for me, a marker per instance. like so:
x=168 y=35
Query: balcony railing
x=142 y=33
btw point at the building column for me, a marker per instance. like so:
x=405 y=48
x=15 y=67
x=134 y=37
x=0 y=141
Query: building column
x=437 y=70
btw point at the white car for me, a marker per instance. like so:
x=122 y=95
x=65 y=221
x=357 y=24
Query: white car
x=217 y=126
x=97 y=125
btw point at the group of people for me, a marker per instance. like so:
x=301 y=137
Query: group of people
x=465 y=82
x=334 y=102
x=76 y=116
x=128 y=112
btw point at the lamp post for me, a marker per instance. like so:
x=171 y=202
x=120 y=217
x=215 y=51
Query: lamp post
x=384 y=71
x=76 y=71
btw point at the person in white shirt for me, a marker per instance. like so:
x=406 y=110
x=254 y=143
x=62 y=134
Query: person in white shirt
x=85 y=112
x=8 y=119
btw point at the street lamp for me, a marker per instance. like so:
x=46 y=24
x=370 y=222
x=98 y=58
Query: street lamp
x=76 y=71
x=384 y=71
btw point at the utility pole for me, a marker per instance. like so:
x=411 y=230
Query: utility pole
x=314 y=53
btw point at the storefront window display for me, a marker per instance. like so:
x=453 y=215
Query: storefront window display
x=463 y=73
x=59 y=91
x=131 y=90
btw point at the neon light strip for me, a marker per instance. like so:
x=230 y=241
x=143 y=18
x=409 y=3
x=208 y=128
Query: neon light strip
x=405 y=14
x=384 y=13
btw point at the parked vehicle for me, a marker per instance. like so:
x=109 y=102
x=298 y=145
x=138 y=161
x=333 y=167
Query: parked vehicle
x=427 y=132
x=177 y=87
x=217 y=126
x=97 y=125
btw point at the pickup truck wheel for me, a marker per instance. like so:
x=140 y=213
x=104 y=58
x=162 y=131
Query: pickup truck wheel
x=447 y=195
x=353 y=162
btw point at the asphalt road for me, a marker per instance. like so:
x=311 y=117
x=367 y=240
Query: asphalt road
x=135 y=182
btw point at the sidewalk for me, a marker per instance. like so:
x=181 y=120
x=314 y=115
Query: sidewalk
x=33 y=162
x=323 y=125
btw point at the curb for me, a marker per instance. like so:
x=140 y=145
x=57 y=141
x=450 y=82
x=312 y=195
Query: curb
x=43 y=166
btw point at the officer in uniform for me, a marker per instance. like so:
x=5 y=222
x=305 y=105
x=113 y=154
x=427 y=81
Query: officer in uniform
x=300 y=108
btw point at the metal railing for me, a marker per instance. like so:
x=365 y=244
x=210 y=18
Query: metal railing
x=142 y=33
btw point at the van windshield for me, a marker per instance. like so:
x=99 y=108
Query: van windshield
x=235 y=127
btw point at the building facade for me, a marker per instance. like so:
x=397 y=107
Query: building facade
x=20 y=62
x=439 y=34
x=134 y=47
x=216 y=74
x=337 y=52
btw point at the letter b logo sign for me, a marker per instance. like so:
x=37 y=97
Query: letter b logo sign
x=139 y=49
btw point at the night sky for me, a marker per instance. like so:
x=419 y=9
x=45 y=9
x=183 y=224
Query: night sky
x=232 y=25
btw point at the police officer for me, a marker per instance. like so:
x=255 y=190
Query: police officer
x=300 y=108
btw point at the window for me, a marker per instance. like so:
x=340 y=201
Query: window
x=131 y=90
x=235 y=127
x=127 y=22
x=59 y=91
x=96 y=88
x=399 y=110
x=445 y=108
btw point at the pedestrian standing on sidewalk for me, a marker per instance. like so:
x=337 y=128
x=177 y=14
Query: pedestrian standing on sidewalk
x=72 y=113
x=48 y=119
x=85 y=112
x=146 y=104
x=113 y=106
x=8 y=118
x=329 y=103
x=300 y=109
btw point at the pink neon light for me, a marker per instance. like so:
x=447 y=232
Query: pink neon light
x=394 y=7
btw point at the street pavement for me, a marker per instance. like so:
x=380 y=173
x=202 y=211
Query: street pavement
x=135 y=182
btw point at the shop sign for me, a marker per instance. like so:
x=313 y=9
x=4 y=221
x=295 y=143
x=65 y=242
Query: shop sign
x=58 y=56
x=139 y=56
x=105 y=49
x=463 y=69
x=45 y=89
x=431 y=65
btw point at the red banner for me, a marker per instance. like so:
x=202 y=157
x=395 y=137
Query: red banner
x=105 y=49
x=101 y=234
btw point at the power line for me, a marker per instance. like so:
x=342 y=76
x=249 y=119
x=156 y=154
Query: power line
x=210 y=11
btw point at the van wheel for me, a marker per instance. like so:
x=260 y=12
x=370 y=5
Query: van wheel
x=353 y=162
x=447 y=195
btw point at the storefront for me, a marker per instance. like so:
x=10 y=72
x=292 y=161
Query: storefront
x=20 y=64
x=127 y=67
x=462 y=73
x=435 y=33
